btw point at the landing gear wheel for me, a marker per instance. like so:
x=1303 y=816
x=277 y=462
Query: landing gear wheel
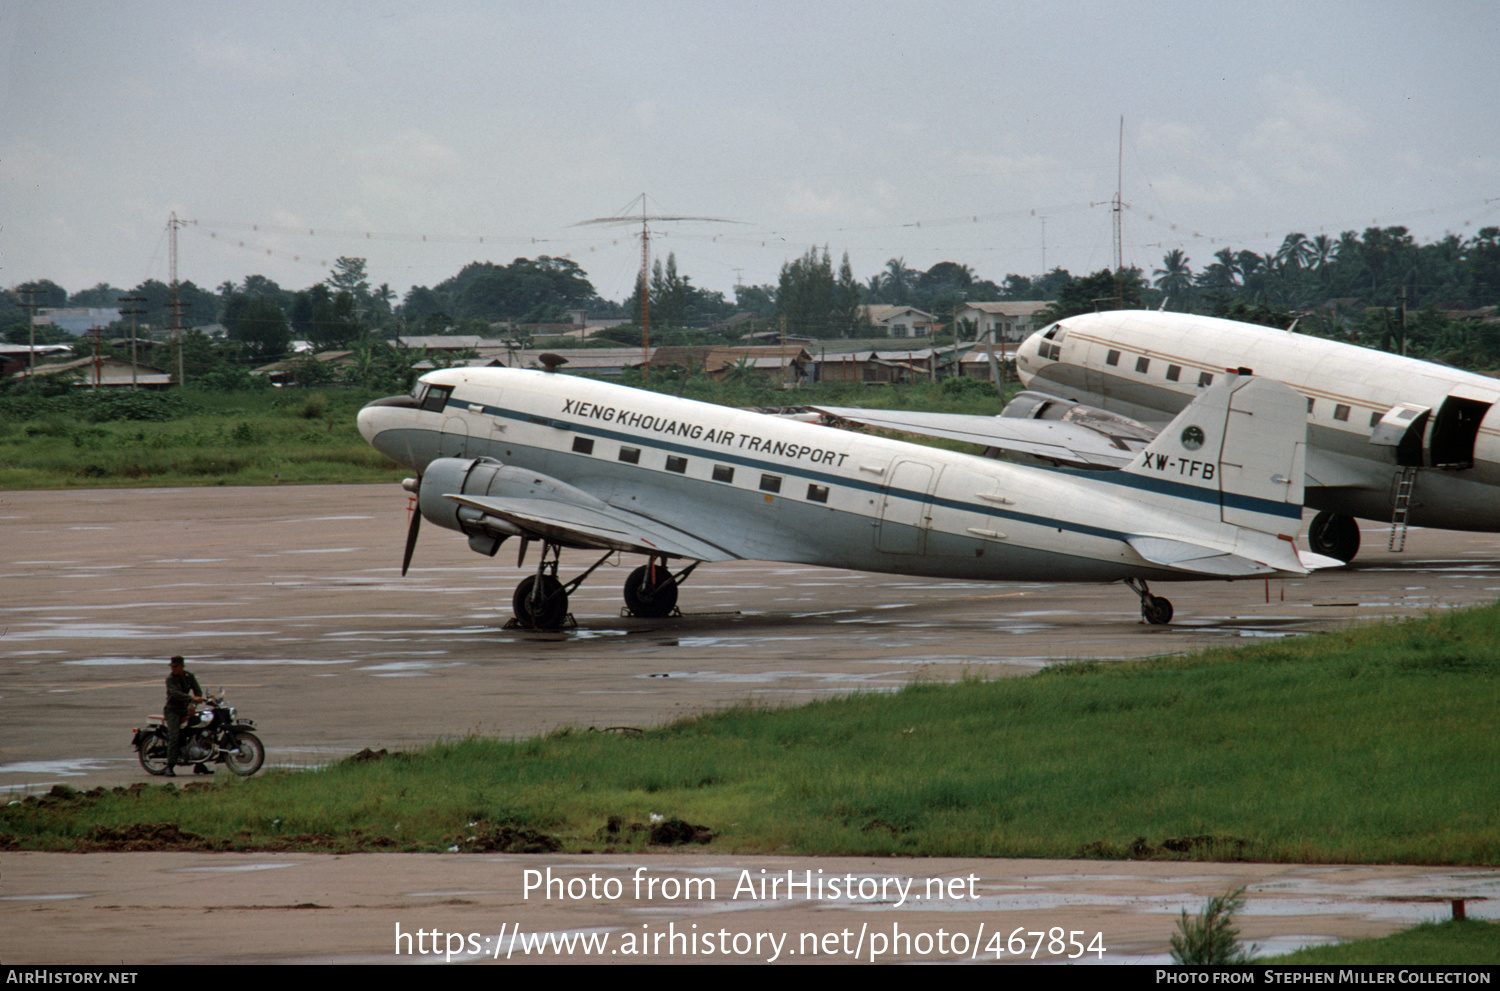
x=1333 y=535
x=1156 y=610
x=248 y=758
x=551 y=606
x=650 y=601
x=153 y=754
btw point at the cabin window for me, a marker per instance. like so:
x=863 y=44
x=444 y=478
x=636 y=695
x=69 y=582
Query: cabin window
x=583 y=445
x=1341 y=412
x=630 y=455
x=1375 y=418
x=1174 y=372
x=723 y=473
x=770 y=483
x=1310 y=403
x=1141 y=364
x=1205 y=379
x=437 y=398
x=1112 y=358
x=817 y=493
x=677 y=464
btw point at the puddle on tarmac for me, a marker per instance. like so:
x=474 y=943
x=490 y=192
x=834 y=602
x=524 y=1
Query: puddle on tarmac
x=764 y=677
x=408 y=669
x=100 y=631
x=67 y=768
x=234 y=869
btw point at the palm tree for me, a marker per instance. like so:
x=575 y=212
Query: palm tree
x=1175 y=277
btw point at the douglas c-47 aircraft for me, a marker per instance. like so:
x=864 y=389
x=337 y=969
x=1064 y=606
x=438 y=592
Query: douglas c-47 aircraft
x=571 y=462
x=1388 y=438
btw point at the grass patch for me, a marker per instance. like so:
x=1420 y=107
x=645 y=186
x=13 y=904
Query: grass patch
x=1378 y=744
x=1452 y=943
x=88 y=440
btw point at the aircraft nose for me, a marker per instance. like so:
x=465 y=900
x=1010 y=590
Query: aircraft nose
x=366 y=422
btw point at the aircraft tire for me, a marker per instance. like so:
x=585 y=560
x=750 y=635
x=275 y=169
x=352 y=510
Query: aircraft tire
x=552 y=610
x=1333 y=535
x=1156 y=610
x=647 y=602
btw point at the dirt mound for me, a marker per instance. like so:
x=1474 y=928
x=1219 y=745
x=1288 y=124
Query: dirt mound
x=162 y=836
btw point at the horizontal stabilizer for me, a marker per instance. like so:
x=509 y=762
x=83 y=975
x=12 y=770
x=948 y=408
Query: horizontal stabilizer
x=602 y=526
x=1197 y=558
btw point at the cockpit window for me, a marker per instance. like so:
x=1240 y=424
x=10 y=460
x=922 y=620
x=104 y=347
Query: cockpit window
x=437 y=398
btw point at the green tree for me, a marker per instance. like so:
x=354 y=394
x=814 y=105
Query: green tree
x=1175 y=278
x=43 y=292
x=259 y=326
x=1104 y=290
x=809 y=297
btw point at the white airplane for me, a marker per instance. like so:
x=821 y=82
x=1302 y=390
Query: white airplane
x=573 y=462
x=1389 y=438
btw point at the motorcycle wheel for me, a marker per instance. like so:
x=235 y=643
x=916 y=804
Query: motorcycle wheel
x=249 y=755
x=153 y=753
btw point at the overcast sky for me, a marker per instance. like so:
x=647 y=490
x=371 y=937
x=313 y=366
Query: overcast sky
x=932 y=131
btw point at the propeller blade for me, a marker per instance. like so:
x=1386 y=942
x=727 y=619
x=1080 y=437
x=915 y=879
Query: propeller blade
x=525 y=543
x=411 y=537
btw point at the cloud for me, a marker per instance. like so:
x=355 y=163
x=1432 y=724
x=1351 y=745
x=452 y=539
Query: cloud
x=1306 y=138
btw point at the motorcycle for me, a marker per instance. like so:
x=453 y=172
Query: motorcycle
x=211 y=734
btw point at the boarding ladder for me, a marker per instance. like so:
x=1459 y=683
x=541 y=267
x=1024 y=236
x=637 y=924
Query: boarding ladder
x=1406 y=482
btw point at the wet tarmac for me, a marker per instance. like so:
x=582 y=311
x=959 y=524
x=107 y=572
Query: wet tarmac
x=291 y=599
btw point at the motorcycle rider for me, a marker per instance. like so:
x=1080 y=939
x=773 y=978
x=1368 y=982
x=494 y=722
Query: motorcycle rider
x=183 y=693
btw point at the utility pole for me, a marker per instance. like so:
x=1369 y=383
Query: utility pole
x=173 y=304
x=1403 y=321
x=98 y=335
x=29 y=301
x=133 y=309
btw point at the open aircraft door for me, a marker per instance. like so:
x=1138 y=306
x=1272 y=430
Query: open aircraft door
x=1455 y=429
x=1404 y=427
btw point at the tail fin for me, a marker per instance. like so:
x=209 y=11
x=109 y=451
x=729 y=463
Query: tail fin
x=1236 y=454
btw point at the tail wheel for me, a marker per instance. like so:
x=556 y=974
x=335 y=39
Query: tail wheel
x=153 y=753
x=647 y=600
x=247 y=757
x=550 y=609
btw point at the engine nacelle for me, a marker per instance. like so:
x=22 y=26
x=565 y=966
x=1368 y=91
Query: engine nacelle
x=486 y=477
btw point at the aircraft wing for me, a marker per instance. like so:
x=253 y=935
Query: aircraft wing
x=1058 y=441
x=602 y=526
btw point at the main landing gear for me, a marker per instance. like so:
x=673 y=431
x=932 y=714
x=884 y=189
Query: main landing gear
x=1154 y=609
x=651 y=589
x=540 y=602
x=1334 y=536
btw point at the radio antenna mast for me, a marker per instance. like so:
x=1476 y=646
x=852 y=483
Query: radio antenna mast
x=627 y=216
x=1119 y=248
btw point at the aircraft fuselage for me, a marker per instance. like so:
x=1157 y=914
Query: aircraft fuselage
x=769 y=488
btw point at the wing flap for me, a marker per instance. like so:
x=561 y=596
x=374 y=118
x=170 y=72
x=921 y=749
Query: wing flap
x=604 y=527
